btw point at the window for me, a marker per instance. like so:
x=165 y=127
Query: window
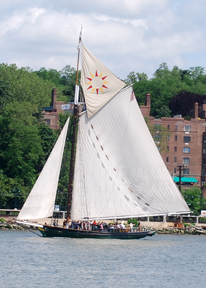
x=176 y=127
x=175 y=170
x=175 y=137
x=204 y=161
x=186 y=150
x=157 y=126
x=168 y=137
x=47 y=122
x=157 y=136
x=186 y=160
x=167 y=159
x=168 y=127
x=187 y=128
x=204 y=139
x=186 y=171
x=175 y=159
x=168 y=149
x=187 y=139
x=204 y=150
x=175 y=148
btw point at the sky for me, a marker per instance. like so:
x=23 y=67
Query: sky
x=125 y=35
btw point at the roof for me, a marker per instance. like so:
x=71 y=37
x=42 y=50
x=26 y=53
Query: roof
x=186 y=179
x=47 y=108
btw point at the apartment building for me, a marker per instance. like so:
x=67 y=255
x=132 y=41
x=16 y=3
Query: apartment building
x=186 y=143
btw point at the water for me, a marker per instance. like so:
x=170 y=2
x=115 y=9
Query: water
x=159 y=261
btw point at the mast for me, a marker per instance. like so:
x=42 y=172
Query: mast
x=72 y=160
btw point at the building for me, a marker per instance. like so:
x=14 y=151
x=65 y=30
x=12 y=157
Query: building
x=186 y=143
x=51 y=113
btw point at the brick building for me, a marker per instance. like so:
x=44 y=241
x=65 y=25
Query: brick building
x=51 y=113
x=186 y=143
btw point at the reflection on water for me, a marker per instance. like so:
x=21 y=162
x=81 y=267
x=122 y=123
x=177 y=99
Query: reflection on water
x=159 y=261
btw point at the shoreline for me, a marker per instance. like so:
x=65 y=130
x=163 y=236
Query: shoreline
x=161 y=228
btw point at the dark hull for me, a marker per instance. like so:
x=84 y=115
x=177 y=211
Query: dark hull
x=54 y=231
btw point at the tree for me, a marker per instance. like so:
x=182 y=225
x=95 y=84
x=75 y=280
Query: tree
x=24 y=85
x=24 y=138
x=68 y=79
x=193 y=197
x=165 y=85
x=183 y=103
x=163 y=111
x=12 y=192
x=159 y=134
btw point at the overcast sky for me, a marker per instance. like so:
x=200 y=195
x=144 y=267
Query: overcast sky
x=125 y=35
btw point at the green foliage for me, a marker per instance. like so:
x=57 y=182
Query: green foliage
x=132 y=220
x=11 y=188
x=163 y=111
x=2 y=220
x=160 y=135
x=24 y=137
x=166 y=85
x=183 y=103
x=203 y=219
x=64 y=81
x=25 y=140
x=193 y=197
x=22 y=85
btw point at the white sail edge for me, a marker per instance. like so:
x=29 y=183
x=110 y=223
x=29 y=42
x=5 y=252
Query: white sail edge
x=40 y=202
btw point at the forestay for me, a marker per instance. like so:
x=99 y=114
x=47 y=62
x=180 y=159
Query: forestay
x=40 y=202
x=119 y=172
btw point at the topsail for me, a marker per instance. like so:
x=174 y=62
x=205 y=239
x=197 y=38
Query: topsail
x=98 y=83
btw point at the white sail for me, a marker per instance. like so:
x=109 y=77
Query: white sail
x=40 y=202
x=119 y=172
x=98 y=83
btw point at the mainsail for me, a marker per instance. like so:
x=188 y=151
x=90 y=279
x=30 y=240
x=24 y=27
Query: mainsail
x=40 y=202
x=119 y=172
x=99 y=84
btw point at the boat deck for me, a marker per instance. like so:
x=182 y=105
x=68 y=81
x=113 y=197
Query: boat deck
x=56 y=231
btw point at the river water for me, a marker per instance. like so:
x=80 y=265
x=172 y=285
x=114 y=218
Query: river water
x=28 y=260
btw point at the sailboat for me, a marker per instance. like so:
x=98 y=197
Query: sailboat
x=118 y=172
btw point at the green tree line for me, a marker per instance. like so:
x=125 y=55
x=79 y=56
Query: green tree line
x=25 y=139
x=172 y=91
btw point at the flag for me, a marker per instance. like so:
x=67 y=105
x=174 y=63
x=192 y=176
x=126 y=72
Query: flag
x=98 y=83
